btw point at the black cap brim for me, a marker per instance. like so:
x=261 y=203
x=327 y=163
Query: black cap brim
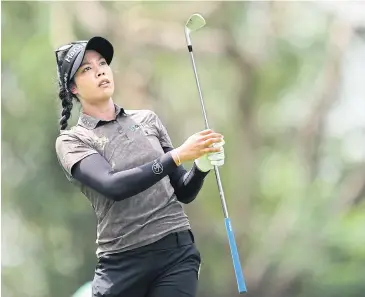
x=98 y=44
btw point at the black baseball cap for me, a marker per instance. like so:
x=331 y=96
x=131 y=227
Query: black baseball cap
x=75 y=54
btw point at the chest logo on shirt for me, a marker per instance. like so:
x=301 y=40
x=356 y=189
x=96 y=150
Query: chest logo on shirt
x=134 y=127
x=157 y=167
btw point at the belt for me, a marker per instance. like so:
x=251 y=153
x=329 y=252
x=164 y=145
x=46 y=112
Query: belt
x=175 y=239
x=170 y=241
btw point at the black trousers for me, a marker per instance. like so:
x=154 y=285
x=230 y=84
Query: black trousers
x=166 y=268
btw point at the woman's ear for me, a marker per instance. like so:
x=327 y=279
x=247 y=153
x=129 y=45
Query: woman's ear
x=73 y=89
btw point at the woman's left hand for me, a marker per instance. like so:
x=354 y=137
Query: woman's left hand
x=208 y=161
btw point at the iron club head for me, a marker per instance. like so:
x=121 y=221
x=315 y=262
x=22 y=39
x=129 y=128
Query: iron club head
x=195 y=22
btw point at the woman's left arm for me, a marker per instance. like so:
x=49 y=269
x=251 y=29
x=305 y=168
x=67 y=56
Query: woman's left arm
x=187 y=184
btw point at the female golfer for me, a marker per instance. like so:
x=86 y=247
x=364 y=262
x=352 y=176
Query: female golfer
x=125 y=164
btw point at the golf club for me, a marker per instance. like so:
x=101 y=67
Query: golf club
x=194 y=23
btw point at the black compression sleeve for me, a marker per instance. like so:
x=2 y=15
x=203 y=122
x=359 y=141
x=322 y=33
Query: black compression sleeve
x=186 y=184
x=95 y=172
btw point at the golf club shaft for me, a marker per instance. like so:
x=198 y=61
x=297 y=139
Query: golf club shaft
x=231 y=238
x=217 y=175
x=199 y=89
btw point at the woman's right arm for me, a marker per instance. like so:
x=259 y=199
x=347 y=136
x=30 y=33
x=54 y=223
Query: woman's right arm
x=95 y=172
x=84 y=164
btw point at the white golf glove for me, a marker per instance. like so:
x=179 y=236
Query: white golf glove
x=208 y=161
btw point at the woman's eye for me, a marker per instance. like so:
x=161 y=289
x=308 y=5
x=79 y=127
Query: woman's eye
x=86 y=69
x=102 y=62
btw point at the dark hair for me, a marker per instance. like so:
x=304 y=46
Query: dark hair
x=65 y=95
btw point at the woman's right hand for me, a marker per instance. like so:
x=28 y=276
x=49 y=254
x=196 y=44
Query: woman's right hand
x=198 y=145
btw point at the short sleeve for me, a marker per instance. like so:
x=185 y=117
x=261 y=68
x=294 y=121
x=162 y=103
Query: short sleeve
x=71 y=149
x=163 y=136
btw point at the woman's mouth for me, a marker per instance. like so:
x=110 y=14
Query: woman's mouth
x=104 y=83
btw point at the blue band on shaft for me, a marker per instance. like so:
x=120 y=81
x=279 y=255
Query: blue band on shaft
x=235 y=257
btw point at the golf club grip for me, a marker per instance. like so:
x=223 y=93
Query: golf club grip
x=235 y=257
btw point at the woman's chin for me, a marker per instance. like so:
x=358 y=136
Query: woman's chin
x=106 y=94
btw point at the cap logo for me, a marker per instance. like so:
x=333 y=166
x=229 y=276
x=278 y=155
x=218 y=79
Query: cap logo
x=72 y=52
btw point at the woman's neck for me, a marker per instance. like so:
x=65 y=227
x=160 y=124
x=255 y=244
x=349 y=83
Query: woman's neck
x=103 y=110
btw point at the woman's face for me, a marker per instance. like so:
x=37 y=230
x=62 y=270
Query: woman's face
x=94 y=79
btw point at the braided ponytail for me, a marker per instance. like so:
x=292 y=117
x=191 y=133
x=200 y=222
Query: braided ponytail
x=67 y=105
x=65 y=96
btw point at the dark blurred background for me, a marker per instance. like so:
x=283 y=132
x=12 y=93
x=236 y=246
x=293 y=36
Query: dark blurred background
x=283 y=81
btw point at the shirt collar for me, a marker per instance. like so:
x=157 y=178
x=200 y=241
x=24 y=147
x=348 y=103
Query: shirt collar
x=90 y=122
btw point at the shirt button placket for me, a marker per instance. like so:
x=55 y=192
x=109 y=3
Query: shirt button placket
x=120 y=129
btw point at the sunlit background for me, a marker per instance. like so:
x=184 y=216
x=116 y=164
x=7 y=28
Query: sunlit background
x=283 y=81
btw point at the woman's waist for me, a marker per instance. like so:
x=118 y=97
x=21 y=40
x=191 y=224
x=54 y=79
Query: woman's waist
x=134 y=236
